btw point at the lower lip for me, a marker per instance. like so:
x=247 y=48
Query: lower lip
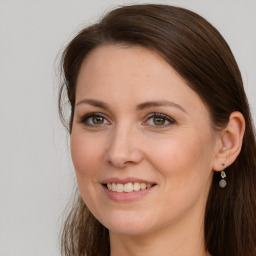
x=126 y=196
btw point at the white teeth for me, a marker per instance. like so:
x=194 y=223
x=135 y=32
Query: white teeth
x=136 y=186
x=119 y=188
x=114 y=188
x=143 y=186
x=128 y=187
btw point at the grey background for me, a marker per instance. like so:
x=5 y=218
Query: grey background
x=36 y=173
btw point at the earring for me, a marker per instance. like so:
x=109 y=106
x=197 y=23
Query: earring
x=223 y=182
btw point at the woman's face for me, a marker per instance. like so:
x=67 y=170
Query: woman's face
x=142 y=142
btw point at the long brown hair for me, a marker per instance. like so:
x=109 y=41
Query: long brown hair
x=197 y=51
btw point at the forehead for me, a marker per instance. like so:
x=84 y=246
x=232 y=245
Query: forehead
x=129 y=60
x=123 y=65
x=134 y=72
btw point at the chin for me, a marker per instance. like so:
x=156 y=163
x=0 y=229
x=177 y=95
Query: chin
x=129 y=229
x=128 y=224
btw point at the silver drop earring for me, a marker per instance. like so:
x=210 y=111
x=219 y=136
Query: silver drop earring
x=222 y=182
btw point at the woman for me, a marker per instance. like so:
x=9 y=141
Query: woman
x=161 y=138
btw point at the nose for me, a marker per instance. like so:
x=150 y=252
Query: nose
x=124 y=148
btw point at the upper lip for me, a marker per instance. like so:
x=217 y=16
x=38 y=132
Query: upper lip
x=126 y=180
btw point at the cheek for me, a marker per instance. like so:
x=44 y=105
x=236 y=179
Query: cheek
x=185 y=168
x=86 y=152
x=184 y=160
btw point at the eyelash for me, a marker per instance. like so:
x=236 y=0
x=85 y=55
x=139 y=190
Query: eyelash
x=85 y=119
x=162 y=116
x=170 y=120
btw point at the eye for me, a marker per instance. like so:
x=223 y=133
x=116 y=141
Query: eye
x=94 y=119
x=159 y=119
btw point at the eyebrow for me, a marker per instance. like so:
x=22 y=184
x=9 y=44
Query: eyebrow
x=93 y=102
x=150 y=104
x=141 y=106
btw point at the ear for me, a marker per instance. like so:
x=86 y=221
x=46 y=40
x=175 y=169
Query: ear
x=229 y=142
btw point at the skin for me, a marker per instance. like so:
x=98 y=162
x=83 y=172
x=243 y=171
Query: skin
x=179 y=157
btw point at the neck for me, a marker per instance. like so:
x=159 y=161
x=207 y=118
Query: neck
x=186 y=239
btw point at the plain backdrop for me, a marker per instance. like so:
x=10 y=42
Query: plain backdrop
x=36 y=173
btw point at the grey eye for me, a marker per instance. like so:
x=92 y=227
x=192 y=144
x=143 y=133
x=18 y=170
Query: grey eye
x=158 y=120
x=98 y=120
x=94 y=119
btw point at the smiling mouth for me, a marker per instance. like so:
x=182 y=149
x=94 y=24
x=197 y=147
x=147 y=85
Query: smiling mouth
x=128 y=187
